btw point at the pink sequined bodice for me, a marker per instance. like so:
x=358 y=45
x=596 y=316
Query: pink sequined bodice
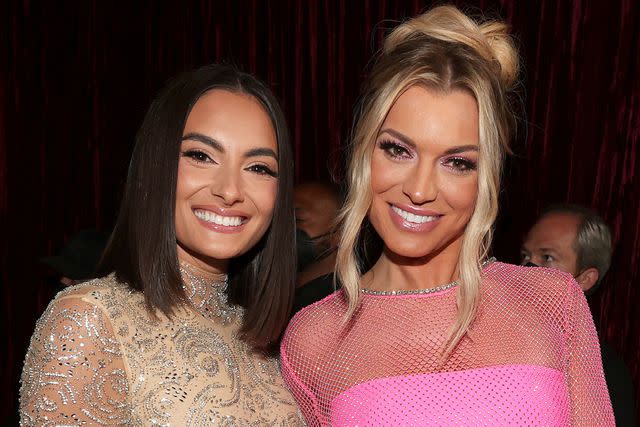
x=532 y=357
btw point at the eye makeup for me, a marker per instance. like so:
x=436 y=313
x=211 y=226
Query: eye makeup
x=395 y=150
x=260 y=169
x=460 y=164
x=197 y=156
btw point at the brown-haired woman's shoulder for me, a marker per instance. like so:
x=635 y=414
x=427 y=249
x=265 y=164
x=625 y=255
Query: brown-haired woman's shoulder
x=114 y=301
x=104 y=292
x=75 y=343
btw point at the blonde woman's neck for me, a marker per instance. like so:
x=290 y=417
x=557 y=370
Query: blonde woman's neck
x=393 y=272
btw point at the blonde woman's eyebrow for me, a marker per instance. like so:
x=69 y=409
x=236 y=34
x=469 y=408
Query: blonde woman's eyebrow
x=402 y=137
x=461 y=149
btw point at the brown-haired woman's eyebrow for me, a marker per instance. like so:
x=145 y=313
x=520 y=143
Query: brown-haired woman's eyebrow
x=194 y=136
x=259 y=152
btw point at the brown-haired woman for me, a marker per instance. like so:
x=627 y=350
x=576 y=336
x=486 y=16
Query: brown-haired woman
x=431 y=334
x=201 y=274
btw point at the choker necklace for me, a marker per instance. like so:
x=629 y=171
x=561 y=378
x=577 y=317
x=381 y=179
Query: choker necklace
x=421 y=291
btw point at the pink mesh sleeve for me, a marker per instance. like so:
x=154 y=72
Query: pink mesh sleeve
x=305 y=398
x=590 y=403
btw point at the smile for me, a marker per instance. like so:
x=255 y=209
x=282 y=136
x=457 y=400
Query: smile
x=213 y=218
x=413 y=218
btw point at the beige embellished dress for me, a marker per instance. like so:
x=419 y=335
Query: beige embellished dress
x=98 y=358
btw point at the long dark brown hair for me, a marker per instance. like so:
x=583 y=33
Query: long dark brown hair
x=142 y=249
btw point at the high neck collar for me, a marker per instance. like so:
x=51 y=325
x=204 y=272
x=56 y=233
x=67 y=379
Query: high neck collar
x=208 y=294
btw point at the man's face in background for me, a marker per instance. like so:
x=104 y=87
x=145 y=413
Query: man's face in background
x=550 y=242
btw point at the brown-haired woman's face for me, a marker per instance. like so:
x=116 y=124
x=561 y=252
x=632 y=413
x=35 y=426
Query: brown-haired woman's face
x=423 y=172
x=227 y=177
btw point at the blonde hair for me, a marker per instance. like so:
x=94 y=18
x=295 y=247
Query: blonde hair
x=443 y=50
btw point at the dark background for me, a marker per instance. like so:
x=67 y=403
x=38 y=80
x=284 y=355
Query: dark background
x=77 y=77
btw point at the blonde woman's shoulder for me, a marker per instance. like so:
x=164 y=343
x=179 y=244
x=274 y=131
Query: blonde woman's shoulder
x=532 y=281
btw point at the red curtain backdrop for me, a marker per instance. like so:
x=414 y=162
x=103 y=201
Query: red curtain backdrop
x=77 y=77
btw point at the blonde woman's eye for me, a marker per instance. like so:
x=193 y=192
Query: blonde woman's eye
x=394 y=150
x=461 y=164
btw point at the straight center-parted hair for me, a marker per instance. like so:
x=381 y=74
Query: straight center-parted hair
x=442 y=50
x=142 y=250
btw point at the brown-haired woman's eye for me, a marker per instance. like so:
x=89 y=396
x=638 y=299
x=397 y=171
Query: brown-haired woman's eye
x=262 y=170
x=197 y=155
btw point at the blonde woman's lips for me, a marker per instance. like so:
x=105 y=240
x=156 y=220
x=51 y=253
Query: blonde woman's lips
x=411 y=219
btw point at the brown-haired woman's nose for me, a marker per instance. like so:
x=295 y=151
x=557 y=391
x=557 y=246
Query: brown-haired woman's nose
x=228 y=187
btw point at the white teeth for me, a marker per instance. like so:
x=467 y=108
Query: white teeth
x=214 y=218
x=417 y=219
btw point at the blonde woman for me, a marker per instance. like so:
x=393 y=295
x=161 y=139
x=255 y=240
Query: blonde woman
x=433 y=333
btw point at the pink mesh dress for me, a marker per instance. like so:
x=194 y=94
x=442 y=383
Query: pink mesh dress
x=532 y=357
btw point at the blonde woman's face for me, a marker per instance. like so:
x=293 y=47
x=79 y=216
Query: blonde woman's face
x=424 y=172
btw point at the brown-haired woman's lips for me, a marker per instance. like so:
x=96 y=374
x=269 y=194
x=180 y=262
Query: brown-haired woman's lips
x=220 y=219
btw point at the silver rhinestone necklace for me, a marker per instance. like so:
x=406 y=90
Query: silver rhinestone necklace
x=421 y=291
x=411 y=291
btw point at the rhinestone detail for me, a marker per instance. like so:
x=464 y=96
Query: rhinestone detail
x=421 y=291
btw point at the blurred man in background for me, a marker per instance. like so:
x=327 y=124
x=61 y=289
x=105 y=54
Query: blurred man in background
x=576 y=240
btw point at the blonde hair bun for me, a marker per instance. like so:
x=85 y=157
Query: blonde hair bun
x=490 y=39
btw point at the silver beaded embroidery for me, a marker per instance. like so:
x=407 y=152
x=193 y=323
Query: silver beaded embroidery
x=209 y=296
x=98 y=357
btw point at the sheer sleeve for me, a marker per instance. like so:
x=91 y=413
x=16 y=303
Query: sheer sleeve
x=74 y=373
x=590 y=403
x=300 y=347
x=304 y=397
